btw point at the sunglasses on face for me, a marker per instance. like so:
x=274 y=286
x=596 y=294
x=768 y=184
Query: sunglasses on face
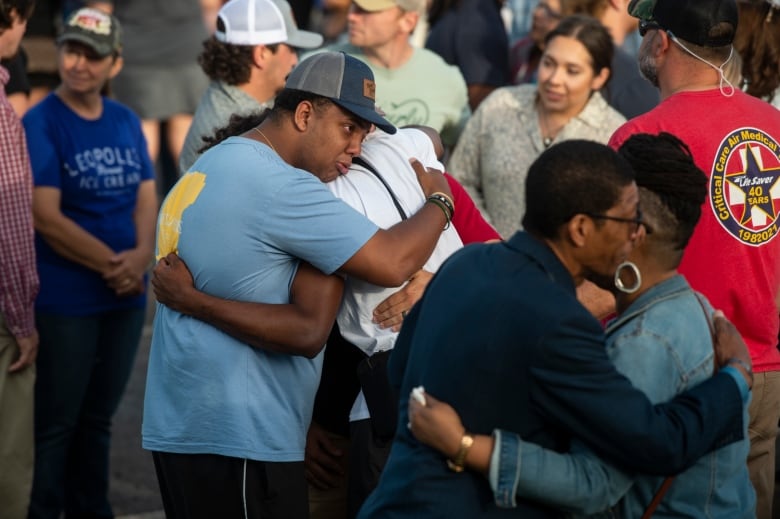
x=642 y=9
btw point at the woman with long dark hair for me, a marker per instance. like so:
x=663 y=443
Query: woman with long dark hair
x=515 y=124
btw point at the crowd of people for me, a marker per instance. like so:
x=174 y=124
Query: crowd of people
x=467 y=258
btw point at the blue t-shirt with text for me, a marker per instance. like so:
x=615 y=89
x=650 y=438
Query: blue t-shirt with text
x=97 y=165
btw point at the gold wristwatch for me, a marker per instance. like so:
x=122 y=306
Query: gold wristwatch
x=457 y=463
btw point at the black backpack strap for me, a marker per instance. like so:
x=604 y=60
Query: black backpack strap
x=360 y=161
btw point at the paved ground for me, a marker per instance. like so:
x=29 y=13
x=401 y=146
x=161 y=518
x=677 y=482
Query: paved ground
x=134 y=493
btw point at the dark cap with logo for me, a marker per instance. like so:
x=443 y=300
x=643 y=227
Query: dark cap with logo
x=94 y=28
x=707 y=23
x=345 y=80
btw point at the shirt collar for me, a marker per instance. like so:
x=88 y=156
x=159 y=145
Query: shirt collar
x=4 y=76
x=663 y=290
x=524 y=243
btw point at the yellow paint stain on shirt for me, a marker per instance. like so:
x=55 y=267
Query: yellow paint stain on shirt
x=181 y=196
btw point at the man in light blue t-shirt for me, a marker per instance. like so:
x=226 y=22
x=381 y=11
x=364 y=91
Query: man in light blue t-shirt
x=227 y=422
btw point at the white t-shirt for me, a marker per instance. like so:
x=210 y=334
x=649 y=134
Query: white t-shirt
x=389 y=154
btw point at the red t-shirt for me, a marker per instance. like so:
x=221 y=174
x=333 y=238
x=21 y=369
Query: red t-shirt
x=733 y=257
x=468 y=221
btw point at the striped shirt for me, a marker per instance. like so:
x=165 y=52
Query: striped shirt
x=18 y=275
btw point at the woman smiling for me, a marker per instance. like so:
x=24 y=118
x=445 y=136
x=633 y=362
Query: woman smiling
x=94 y=208
x=515 y=124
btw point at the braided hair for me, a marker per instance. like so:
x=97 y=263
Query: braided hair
x=672 y=187
x=237 y=125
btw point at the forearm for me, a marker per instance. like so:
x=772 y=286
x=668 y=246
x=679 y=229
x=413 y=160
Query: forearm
x=414 y=240
x=273 y=327
x=72 y=242
x=478 y=457
x=18 y=276
x=577 y=481
x=580 y=389
x=673 y=435
x=400 y=251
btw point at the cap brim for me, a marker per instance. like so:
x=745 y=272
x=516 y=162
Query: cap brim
x=367 y=114
x=100 y=50
x=373 y=6
x=304 y=40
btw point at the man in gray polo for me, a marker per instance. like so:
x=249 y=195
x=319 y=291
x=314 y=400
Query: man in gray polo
x=248 y=60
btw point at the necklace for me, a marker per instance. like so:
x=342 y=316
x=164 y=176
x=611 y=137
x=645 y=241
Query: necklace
x=547 y=135
x=267 y=140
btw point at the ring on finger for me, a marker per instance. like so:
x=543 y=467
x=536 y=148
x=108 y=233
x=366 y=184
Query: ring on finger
x=404 y=313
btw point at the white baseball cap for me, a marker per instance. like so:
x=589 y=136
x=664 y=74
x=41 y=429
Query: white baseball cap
x=262 y=22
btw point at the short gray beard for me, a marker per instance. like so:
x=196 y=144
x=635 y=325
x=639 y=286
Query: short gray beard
x=648 y=68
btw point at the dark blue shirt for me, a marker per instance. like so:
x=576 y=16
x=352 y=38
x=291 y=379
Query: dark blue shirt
x=500 y=335
x=472 y=36
x=628 y=91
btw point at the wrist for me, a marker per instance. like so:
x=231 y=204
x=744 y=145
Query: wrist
x=457 y=462
x=743 y=367
x=443 y=202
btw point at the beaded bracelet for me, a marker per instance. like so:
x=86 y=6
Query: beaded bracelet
x=443 y=207
x=446 y=200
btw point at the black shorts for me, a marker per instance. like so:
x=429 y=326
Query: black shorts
x=195 y=486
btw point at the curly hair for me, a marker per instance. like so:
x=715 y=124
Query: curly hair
x=286 y=102
x=758 y=42
x=22 y=8
x=229 y=63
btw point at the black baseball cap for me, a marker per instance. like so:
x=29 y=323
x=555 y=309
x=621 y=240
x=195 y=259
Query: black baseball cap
x=94 y=28
x=691 y=20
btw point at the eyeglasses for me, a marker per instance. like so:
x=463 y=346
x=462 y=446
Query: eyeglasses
x=549 y=11
x=637 y=221
x=647 y=25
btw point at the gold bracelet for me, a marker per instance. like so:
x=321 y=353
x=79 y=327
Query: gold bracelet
x=457 y=464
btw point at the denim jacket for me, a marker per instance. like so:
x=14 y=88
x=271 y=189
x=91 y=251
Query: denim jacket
x=662 y=343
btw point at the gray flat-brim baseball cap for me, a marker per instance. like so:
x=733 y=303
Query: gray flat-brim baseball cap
x=345 y=80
